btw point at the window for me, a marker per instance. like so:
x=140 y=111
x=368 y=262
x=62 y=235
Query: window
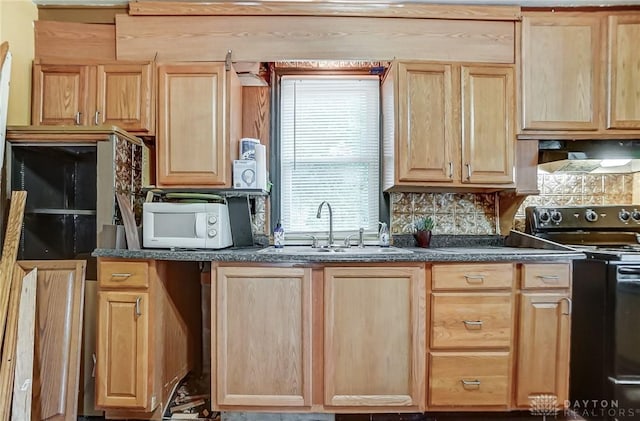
x=329 y=150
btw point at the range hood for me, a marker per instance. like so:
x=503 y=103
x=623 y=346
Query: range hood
x=591 y=156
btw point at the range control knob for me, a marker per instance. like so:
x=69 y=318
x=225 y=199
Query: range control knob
x=624 y=215
x=544 y=216
x=212 y=220
x=212 y=233
x=635 y=215
x=556 y=216
x=590 y=215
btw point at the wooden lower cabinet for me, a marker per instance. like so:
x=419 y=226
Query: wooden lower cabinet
x=374 y=336
x=123 y=339
x=543 y=359
x=463 y=379
x=358 y=338
x=148 y=334
x=471 y=336
x=323 y=339
x=263 y=337
x=545 y=330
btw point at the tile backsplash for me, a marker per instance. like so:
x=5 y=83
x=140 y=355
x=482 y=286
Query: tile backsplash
x=476 y=213
x=568 y=189
x=453 y=213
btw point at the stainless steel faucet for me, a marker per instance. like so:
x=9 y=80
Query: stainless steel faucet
x=319 y=215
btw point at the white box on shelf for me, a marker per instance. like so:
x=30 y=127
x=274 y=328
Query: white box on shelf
x=244 y=174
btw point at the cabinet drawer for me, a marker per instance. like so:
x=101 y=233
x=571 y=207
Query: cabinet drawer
x=468 y=379
x=471 y=320
x=472 y=276
x=123 y=275
x=541 y=275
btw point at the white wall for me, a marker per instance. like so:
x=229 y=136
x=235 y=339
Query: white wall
x=16 y=27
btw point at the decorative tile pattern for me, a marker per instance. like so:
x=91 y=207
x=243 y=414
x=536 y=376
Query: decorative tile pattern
x=580 y=189
x=260 y=216
x=128 y=171
x=453 y=213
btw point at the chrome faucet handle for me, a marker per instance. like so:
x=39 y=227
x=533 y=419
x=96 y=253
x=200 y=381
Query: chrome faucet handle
x=361 y=238
x=314 y=241
x=347 y=240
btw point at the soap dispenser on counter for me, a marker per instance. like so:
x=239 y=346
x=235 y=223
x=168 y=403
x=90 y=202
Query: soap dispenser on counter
x=383 y=235
x=278 y=236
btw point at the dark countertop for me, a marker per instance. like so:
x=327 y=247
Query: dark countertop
x=440 y=254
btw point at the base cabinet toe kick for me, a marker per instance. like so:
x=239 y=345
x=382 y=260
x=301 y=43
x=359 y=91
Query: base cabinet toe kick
x=336 y=338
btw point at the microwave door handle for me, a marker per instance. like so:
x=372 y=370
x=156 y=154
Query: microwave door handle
x=201 y=225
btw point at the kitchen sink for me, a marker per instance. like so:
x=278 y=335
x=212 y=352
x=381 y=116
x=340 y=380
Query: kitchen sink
x=299 y=250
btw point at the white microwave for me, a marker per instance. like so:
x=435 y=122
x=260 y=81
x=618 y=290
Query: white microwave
x=189 y=225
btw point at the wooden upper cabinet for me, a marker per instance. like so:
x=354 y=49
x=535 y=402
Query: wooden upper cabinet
x=561 y=72
x=623 y=101
x=199 y=124
x=60 y=95
x=488 y=134
x=448 y=125
x=374 y=336
x=425 y=118
x=263 y=337
x=91 y=95
x=122 y=366
x=124 y=96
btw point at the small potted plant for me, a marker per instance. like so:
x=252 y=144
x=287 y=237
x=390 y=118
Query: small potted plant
x=422 y=230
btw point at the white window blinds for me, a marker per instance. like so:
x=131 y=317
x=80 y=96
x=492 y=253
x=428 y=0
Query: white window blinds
x=329 y=151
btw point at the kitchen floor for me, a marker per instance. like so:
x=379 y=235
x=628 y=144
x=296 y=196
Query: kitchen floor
x=460 y=416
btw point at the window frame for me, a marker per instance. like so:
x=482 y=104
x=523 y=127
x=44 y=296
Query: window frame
x=275 y=153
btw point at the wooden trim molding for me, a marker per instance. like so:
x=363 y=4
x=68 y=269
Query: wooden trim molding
x=276 y=38
x=352 y=9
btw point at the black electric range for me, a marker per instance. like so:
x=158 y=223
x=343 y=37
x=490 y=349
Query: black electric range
x=605 y=337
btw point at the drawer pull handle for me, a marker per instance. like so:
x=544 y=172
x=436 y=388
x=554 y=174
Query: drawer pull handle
x=470 y=383
x=138 y=312
x=121 y=276
x=472 y=323
x=474 y=279
x=549 y=279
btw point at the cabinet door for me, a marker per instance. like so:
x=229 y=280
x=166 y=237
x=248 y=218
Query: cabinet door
x=60 y=95
x=263 y=336
x=425 y=114
x=124 y=96
x=122 y=366
x=191 y=145
x=488 y=136
x=374 y=337
x=543 y=351
x=624 y=72
x=58 y=338
x=561 y=70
